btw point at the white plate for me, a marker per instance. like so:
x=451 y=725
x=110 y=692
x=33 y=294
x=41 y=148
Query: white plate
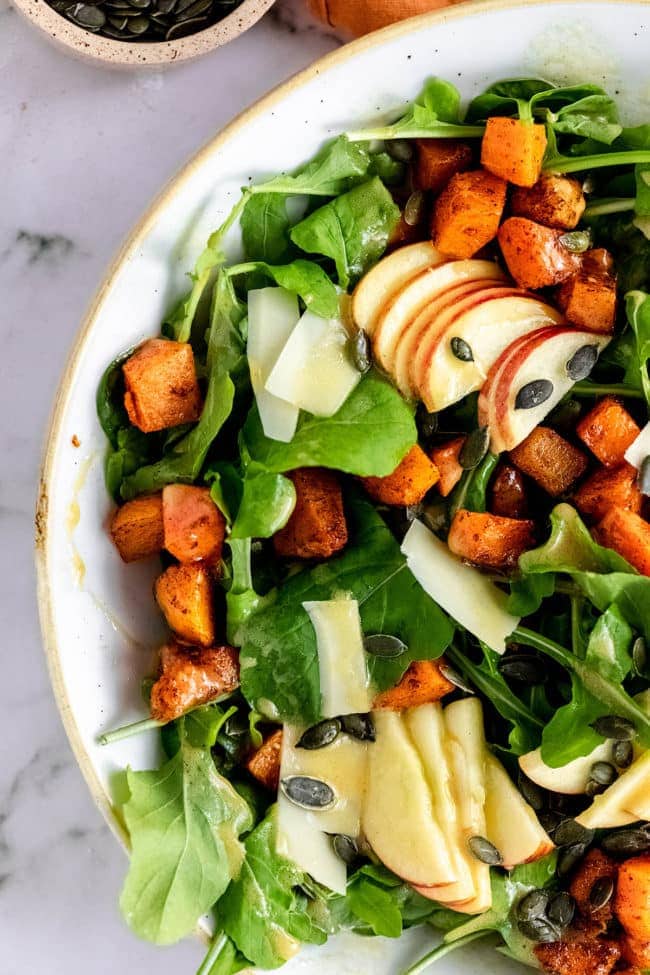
x=100 y=625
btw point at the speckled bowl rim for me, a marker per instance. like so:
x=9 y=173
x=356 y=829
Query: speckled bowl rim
x=91 y=46
x=132 y=244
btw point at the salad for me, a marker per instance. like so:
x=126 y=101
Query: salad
x=395 y=463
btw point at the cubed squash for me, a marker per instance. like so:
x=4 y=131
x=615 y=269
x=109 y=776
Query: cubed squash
x=628 y=534
x=466 y=215
x=514 y=149
x=554 y=201
x=192 y=676
x=606 y=488
x=445 y=458
x=508 y=496
x=317 y=527
x=422 y=683
x=414 y=476
x=193 y=525
x=264 y=763
x=490 y=540
x=581 y=954
x=137 y=528
x=534 y=254
x=551 y=461
x=437 y=160
x=184 y=594
x=632 y=903
x=594 y=867
x=608 y=430
x=162 y=388
x=588 y=300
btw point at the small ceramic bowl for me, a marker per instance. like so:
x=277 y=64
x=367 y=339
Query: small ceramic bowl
x=117 y=54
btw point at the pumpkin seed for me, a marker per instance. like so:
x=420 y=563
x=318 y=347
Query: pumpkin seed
x=88 y=16
x=320 y=735
x=539 y=929
x=165 y=6
x=644 y=476
x=627 y=843
x=474 y=448
x=570 y=833
x=602 y=772
x=623 y=754
x=615 y=727
x=383 y=645
x=413 y=511
x=640 y=655
x=307 y=792
x=485 y=851
x=186 y=27
x=589 y=184
x=361 y=352
x=577 y=241
x=455 y=678
x=138 y=25
x=125 y=20
x=400 y=149
x=462 y=349
x=414 y=209
x=196 y=9
x=140 y=4
x=533 y=905
x=594 y=788
x=561 y=909
x=533 y=394
x=550 y=820
x=601 y=893
x=582 y=362
x=119 y=23
x=524 y=667
x=359 y=726
x=531 y=792
x=345 y=848
x=427 y=422
x=569 y=857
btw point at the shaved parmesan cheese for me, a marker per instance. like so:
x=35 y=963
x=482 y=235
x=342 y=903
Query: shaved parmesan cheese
x=300 y=839
x=344 y=683
x=272 y=316
x=468 y=597
x=314 y=371
x=639 y=449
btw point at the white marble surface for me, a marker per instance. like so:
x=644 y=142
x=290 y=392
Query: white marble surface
x=82 y=152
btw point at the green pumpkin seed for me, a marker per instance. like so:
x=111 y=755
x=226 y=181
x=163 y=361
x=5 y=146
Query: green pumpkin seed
x=569 y=833
x=361 y=351
x=185 y=28
x=307 y=792
x=623 y=754
x=523 y=667
x=461 y=349
x=345 y=848
x=601 y=893
x=531 y=792
x=643 y=479
x=119 y=23
x=320 y=735
x=414 y=209
x=582 y=362
x=533 y=905
x=474 y=449
x=400 y=149
x=540 y=930
x=485 y=851
x=569 y=857
x=640 y=656
x=196 y=9
x=138 y=25
x=427 y=422
x=533 y=394
x=577 y=241
x=165 y=6
x=561 y=909
x=455 y=678
x=627 y=843
x=594 y=788
x=602 y=772
x=90 y=17
x=615 y=727
x=383 y=645
x=140 y=4
x=360 y=726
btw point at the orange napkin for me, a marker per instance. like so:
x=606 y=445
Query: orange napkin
x=358 y=17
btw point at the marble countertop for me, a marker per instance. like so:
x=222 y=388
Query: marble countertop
x=83 y=151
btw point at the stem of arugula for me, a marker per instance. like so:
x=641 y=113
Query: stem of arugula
x=586 y=388
x=578 y=164
x=388 y=132
x=576 y=637
x=129 y=730
x=604 y=207
x=219 y=943
x=441 y=951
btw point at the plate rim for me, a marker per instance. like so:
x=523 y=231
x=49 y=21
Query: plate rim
x=459 y=11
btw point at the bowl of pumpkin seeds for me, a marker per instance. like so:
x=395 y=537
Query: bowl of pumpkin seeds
x=142 y=32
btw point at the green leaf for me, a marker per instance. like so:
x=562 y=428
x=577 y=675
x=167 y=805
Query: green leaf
x=223 y=958
x=511 y=96
x=265 y=228
x=375 y=906
x=202 y=725
x=637 y=308
x=368 y=436
x=111 y=411
x=184 y=821
x=263 y=910
x=266 y=504
x=226 y=347
x=570 y=548
x=353 y=229
x=178 y=325
x=279 y=656
x=471 y=491
x=528 y=593
x=304 y=278
x=339 y=165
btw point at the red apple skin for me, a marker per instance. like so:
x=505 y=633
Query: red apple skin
x=419 y=365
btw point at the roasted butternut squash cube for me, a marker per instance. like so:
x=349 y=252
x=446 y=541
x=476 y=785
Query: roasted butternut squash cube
x=595 y=866
x=194 y=527
x=406 y=233
x=192 y=676
x=629 y=535
x=551 y=461
x=264 y=763
x=490 y=540
x=184 y=594
x=445 y=458
x=317 y=527
x=437 y=160
x=582 y=954
x=637 y=953
x=632 y=903
x=414 y=476
x=508 y=493
x=606 y=488
x=137 y=528
x=422 y=683
x=162 y=389
x=534 y=254
x=466 y=215
x=514 y=149
x=588 y=300
x=608 y=430
x=555 y=201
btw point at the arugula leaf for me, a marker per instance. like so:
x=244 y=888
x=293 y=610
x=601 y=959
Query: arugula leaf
x=178 y=325
x=435 y=113
x=304 y=278
x=223 y=958
x=642 y=186
x=512 y=96
x=571 y=549
x=471 y=491
x=637 y=308
x=226 y=346
x=375 y=902
x=265 y=227
x=353 y=229
x=279 y=656
x=368 y=436
x=266 y=504
x=528 y=594
x=339 y=165
x=375 y=906
x=184 y=821
x=263 y=910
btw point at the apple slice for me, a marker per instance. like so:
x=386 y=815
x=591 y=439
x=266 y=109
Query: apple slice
x=416 y=295
x=385 y=279
x=398 y=818
x=570 y=779
x=482 y=333
x=529 y=379
x=512 y=825
x=467 y=755
x=624 y=802
x=427 y=730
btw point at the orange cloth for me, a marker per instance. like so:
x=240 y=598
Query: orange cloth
x=358 y=17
